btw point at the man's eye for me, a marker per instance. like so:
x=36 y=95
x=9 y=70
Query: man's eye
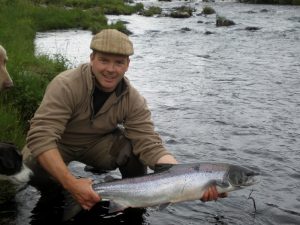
x=120 y=62
x=102 y=60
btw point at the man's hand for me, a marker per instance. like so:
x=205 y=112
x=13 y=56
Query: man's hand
x=212 y=194
x=82 y=191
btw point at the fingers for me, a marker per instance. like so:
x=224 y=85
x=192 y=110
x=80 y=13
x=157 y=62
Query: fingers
x=84 y=194
x=212 y=194
x=92 y=198
x=88 y=202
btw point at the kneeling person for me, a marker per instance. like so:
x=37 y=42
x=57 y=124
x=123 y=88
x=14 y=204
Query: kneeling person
x=79 y=119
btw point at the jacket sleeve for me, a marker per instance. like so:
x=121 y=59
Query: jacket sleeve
x=139 y=128
x=49 y=121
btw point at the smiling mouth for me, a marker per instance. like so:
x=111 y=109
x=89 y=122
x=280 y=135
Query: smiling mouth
x=109 y=80
x=108 y=77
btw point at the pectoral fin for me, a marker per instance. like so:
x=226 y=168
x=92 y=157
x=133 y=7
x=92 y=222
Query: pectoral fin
x=71 y=207
x=115 y=207
x=163 y=206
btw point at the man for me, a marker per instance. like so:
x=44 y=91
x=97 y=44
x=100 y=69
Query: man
x=92 y=114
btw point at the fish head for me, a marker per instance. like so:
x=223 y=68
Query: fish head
x=240 y=177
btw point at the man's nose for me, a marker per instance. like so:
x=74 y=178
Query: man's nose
x=111 y=67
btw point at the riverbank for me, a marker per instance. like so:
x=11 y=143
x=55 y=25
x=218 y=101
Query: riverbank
x=20 y=21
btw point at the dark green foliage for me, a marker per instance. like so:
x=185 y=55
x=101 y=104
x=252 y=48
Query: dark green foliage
x=152 y=10
x=115 y=7
x=223 y=21
x=30 y=82
x=208 y=10
x=182 y=12
x=11 y=125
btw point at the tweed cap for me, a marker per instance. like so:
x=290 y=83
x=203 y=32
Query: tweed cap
x=112 y=41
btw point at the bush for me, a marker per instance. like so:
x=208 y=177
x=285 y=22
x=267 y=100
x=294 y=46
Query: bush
x=207 y=10
x=153 y=10
x=223 y=21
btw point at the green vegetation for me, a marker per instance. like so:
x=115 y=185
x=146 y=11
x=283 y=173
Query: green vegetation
x=207 y=10
x=223 y=21
x=20 y=20
x=10 y=121
x=152 y=10
x=115 y=7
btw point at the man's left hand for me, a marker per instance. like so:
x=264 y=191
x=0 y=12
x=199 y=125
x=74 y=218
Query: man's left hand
x=212 y=194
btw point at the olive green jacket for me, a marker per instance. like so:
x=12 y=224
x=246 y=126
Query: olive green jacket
x=66 y=116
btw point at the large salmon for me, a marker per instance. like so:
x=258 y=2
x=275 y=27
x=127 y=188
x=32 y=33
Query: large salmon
x=181 y=182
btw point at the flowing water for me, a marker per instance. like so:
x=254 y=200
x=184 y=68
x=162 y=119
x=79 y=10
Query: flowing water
x=217 y=94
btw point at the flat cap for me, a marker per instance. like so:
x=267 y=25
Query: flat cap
x=112 y=41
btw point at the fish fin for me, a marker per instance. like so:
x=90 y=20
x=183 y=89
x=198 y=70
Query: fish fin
x=110 y=178
x=222 y=186
x=162 y=167
x=94 y=170
x=115 y=207
x=71 y=207
x=208 y=185
x=163 y=206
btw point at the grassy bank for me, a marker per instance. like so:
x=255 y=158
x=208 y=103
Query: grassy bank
x=20 y=20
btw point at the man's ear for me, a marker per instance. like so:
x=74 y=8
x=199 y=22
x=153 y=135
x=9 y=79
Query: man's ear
x=128 y=62
x=92 y=56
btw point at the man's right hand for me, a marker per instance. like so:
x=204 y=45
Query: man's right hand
x=82 y=191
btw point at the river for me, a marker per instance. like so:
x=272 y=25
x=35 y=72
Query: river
x=217 y=94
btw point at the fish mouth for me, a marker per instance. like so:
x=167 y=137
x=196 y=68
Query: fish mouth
x=251 y=180
x=252 y=177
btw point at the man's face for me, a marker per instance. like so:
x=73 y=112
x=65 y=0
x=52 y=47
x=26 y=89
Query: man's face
x=108 y=69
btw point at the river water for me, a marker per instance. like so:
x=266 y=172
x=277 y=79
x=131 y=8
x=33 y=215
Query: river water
x=232 y=95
